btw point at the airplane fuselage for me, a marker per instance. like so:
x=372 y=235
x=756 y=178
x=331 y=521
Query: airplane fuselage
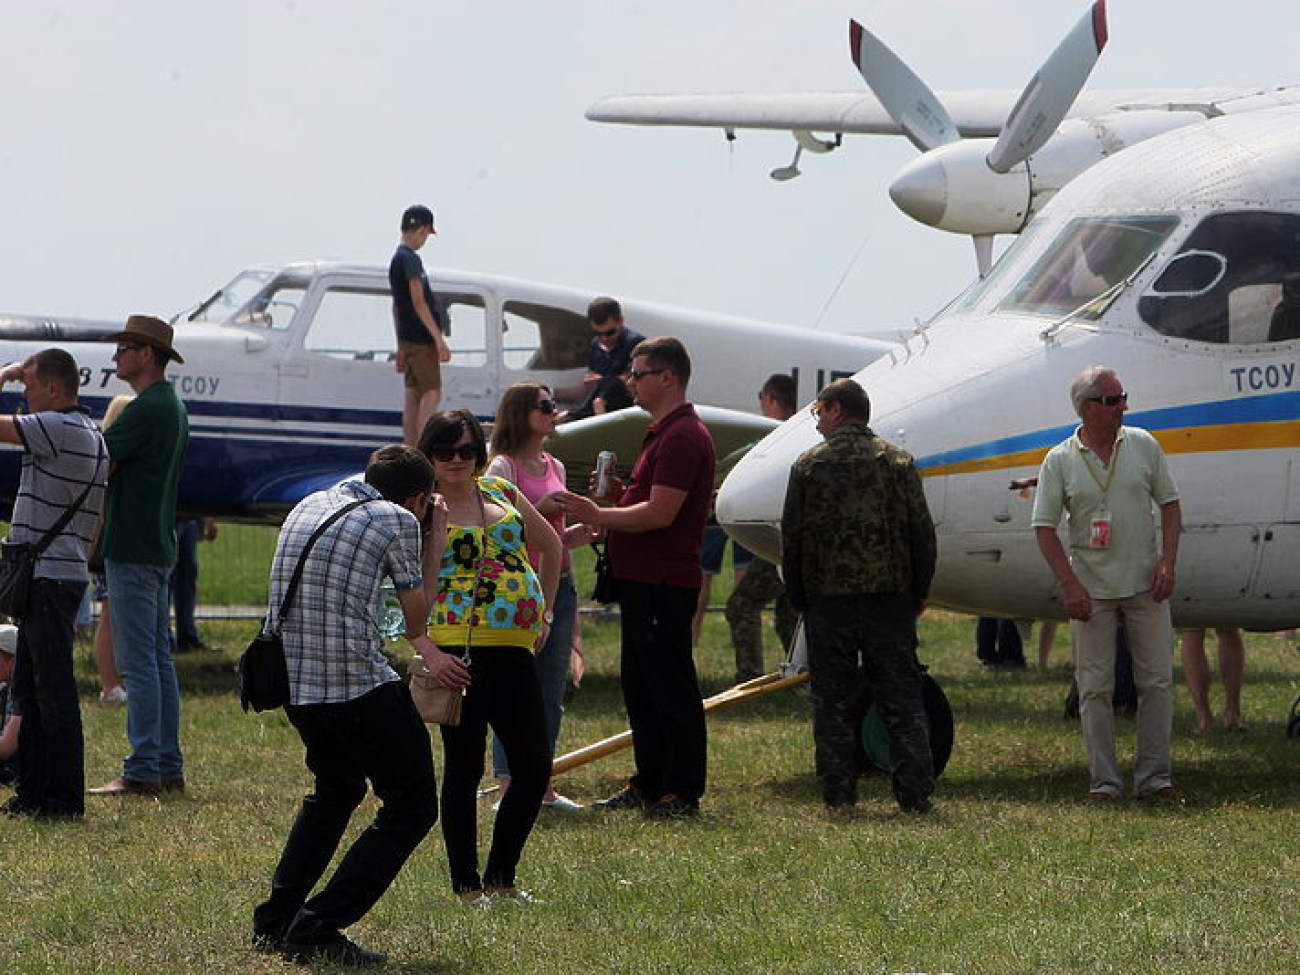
x=1166 y=263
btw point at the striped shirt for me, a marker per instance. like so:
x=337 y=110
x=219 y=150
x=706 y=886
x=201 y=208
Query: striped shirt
x=332 y=642
x=63 y=452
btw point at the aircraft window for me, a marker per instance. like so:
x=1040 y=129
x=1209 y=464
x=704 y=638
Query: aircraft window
x=1236 y=279
x=468 y=318
x=353 y=324
x=543 y=337
x=223 y=303
x=1088 y=258
x=274 y=308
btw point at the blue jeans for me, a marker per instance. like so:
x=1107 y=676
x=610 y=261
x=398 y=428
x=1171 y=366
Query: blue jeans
x=137 y=605
x=552 y=670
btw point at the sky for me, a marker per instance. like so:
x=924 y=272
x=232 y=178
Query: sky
x=150 y=149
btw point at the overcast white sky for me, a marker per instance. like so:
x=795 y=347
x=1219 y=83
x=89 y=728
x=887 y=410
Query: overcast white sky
x=149 y=149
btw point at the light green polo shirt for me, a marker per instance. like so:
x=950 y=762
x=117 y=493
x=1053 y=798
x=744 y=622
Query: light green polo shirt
x=1073 y=481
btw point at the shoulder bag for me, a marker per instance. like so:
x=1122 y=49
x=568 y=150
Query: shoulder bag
x=263 y=673
x=18 y=560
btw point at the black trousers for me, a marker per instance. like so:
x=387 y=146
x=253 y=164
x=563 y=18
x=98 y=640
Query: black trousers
x=661 y=690
x=505 y=694
x=52 y=778
x=379 y=738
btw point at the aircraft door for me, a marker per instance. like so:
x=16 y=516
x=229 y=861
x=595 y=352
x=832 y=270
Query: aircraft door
x=472 y=379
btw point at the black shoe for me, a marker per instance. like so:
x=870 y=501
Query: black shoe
x=917 y=808
x=673 y=806
x=338 y=949
x=626 y=798
x=192 y=646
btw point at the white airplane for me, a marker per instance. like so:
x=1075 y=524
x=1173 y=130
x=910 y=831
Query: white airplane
x=289 y=377
x=1177 y=262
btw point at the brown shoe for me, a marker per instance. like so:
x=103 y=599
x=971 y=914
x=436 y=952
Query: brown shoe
x=122 y=786
x=176 y=784
x=1100 y=795
x=1167 y=794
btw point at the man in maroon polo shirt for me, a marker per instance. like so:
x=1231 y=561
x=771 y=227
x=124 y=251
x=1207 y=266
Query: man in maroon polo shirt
x=655 y=530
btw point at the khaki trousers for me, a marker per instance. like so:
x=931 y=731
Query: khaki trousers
x=1151 y=639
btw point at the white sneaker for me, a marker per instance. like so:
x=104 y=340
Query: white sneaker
x=562 y=804
x=114 y=695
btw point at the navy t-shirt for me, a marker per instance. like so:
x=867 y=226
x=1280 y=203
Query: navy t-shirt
x=615 y=361
x=405 y=265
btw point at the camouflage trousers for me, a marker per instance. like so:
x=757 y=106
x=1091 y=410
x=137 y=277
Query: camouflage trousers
x=759 y=587
x=871 y=639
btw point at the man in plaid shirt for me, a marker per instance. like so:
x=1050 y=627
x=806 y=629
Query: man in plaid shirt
x=351 y=709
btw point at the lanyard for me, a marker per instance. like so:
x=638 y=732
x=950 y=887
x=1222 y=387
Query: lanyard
x=1103 y=486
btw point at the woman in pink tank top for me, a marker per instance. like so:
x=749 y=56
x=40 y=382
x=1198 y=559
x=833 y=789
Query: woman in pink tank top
x=526 y=416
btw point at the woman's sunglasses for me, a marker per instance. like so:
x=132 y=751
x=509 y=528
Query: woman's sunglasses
x=444 y=455
x=546 y=406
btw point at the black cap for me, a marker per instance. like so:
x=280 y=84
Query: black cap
x=417 y=216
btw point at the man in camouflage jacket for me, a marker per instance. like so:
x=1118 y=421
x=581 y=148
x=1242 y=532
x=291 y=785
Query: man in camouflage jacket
x=858 y=555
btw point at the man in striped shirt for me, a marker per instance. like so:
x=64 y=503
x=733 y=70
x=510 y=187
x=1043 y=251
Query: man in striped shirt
x=63 y=455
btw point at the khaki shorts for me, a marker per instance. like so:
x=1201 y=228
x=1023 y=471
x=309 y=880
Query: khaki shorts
x=423 y=370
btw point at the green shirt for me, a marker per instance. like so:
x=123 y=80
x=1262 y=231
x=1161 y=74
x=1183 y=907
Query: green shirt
x=147 y=446
x=1126 y=492
x=855 y=521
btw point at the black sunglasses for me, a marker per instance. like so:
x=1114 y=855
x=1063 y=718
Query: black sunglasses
x=1114 y=400
x=444 y=455
x=546 y=406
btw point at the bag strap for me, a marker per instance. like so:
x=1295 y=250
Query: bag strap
x=70 y=511
x=292 y=589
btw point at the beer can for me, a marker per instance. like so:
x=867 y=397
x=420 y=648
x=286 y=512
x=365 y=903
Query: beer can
x=605 y=461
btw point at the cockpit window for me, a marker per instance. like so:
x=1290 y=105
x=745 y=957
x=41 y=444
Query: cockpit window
x=1235 y=279
x=1087 y=259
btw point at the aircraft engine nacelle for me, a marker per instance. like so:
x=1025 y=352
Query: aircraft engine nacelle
x=953 y=188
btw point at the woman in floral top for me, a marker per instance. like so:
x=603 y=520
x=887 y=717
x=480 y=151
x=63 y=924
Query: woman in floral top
x=492 y=606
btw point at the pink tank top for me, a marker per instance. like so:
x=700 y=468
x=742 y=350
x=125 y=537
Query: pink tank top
x=536 y=488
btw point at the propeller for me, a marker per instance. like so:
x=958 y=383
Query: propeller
x=924 y=191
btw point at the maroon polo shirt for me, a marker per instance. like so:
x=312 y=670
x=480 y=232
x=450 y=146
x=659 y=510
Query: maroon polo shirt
x=678 y=453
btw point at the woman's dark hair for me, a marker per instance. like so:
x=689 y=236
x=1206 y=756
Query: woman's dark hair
x=445 y=428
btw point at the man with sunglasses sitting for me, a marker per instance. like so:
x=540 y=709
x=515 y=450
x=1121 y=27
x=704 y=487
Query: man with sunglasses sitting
x=1109 y=479
x=608 y=360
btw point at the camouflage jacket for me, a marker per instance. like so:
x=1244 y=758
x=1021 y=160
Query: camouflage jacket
x=856 y=521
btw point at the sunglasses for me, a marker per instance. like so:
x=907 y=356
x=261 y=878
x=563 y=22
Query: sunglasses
x=642 y=373
x=1114 y=400
x=546 y=406
x=607 y=333
x=444 y=455
x=129 y=347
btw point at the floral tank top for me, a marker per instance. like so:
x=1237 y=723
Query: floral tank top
x=506 y=609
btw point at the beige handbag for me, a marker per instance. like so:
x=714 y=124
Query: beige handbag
x=436 y=704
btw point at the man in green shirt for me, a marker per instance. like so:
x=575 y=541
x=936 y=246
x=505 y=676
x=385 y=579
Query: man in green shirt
x=146 y=446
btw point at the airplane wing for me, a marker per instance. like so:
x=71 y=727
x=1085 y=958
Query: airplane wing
x=977 y=113
x=578 y=443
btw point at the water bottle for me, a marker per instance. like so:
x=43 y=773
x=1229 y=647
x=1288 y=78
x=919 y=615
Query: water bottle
x=392 y=621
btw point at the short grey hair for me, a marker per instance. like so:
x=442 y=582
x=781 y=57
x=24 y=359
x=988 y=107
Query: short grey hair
x=1085 y=385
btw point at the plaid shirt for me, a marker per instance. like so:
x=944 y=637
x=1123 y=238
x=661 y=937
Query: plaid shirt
x=332 y=642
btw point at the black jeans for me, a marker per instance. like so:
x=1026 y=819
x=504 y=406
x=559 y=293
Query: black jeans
x=377 y=737
x=52 y=778
x=505 y=694
x=661 y=690
x=871 y=638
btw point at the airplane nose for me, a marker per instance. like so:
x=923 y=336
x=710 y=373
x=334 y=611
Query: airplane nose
x=921 y=190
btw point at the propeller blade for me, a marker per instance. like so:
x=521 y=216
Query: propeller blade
x=983 y=253
x=907 y=99
x=1051 y=92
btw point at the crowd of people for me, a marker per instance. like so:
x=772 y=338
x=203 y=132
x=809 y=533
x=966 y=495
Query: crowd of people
x=474 y=534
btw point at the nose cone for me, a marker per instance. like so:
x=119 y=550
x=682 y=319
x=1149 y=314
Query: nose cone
x=750 y=500
x=921 y=190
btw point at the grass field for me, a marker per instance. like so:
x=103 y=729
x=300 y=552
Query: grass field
x=1013 y=873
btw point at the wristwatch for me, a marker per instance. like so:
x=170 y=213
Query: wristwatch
x=548 y=617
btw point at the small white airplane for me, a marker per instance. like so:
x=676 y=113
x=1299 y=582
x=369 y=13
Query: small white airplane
x=290 y=384
x=1175 y=261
